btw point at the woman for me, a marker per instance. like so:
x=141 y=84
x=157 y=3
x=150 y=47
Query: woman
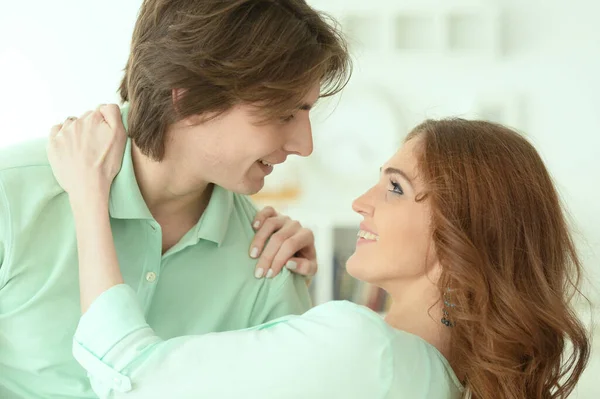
x=464 y=230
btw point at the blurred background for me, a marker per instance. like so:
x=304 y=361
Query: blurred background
x=533 y=65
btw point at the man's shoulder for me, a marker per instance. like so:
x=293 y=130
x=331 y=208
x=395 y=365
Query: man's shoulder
x=31 y=153
x=25 y=166
x=244 y=204
x=245 y=210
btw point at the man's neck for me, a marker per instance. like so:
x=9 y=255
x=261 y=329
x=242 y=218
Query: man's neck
x=166 y=191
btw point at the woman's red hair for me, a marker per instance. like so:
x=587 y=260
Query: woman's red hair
x=508 y=258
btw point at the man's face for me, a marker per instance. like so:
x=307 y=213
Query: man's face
x=234 y=151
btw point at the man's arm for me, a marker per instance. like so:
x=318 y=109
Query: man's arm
x=286 y=295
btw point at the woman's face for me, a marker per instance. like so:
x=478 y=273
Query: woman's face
x=395 y=244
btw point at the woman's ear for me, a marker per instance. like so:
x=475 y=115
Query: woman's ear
x=435 y=272
x=434 y=267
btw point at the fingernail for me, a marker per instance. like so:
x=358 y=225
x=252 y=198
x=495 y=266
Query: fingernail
x=258 y=273
x=256 y=224
x=254 y=252
x=270 y=273
x=291 y=265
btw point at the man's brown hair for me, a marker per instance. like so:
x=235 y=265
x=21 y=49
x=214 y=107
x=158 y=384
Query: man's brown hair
x=226 y=52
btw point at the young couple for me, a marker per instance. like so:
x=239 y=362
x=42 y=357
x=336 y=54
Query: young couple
x=152 y=239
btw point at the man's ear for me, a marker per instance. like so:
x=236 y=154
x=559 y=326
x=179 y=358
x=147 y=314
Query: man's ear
x=176 y=95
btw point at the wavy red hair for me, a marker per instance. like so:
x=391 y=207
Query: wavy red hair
x=503 y=241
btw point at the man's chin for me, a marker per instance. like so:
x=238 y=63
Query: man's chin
x=249 y=187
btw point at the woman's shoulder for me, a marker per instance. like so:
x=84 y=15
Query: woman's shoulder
x=344 y=325
x=349 y=314
x=419 y=365
x=344 y=308
x=411 y=364
x=363 y=321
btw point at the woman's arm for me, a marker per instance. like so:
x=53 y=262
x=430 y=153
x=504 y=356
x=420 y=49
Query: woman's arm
x=320 y=355
x=98 y=264
x=334 y=350
x=85 y=155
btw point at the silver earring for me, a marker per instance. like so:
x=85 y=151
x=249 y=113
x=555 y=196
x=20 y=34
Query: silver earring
x=445 y=316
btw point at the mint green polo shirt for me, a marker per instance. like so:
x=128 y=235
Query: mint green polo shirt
x=205 y=283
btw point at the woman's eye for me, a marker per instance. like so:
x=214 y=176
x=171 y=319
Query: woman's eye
x=396 y=188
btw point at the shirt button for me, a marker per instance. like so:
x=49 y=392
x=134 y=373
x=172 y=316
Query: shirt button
x=150 y=277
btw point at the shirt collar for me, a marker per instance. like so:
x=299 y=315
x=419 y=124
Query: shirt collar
x=215 y=220
x=126 y=201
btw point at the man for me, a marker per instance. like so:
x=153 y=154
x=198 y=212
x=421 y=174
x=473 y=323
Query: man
x=218 y=93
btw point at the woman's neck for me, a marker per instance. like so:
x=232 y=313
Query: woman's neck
x=418 y=309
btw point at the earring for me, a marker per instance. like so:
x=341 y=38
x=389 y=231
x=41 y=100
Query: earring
x=445 y=316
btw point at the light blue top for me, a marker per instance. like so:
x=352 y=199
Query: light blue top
x=336 y=350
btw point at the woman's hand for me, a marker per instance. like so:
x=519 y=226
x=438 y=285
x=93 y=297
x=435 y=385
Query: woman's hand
x=86 y=153
x=281 y=241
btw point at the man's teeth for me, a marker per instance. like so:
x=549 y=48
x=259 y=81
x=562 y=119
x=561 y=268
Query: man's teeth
x=265 y=163
x=368 y=236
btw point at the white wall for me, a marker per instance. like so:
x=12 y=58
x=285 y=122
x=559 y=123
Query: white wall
x=59 y=58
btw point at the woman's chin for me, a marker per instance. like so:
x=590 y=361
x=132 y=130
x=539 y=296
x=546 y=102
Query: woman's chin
x=366 y=269
x=355 y=267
